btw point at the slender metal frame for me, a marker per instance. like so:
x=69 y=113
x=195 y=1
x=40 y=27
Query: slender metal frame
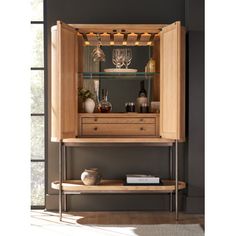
x=63 y=174
x=171 y=174
x=64 y=164
x=176 y=180
x=60 y=179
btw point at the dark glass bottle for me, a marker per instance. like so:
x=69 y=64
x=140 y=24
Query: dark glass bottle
x=104 y=105
x=142 y=92
x=142 y=98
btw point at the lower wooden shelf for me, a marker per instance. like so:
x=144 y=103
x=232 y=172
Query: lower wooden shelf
x=116 y=186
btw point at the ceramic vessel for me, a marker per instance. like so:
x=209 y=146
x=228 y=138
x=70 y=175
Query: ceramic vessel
x=89 y=105
x=91 y=176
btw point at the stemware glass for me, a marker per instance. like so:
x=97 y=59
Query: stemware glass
x=118 y=57
x=128 y=57
x=97 y=53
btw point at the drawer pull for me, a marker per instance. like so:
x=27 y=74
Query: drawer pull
x=95 y=119
x=95 y=128
x=141 y=128
x=141 y=120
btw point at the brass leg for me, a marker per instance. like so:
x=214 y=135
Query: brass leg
x=64 y=176
x=176 y=180
x=60 y=180
x=171 y=175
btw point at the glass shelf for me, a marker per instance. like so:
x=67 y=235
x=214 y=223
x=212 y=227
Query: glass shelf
x=119 y=75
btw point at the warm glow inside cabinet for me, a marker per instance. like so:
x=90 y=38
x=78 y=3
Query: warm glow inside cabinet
x=67 y=66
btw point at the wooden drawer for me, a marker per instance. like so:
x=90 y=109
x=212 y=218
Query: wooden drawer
x=118 y=120
x=118 y=130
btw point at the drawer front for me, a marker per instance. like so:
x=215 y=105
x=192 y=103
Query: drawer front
x=118 y=120
x=118 y=130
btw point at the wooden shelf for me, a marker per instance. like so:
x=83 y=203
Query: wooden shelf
x=116 y=186
x=117 y=142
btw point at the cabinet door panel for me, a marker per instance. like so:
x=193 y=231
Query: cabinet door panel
x=64 y=82
x=172 y=82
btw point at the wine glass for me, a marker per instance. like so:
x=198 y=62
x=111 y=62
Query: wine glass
x=128 y=57
x=118 y=57
x=98 y=54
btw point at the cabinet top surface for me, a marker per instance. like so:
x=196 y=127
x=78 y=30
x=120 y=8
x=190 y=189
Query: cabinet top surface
x=121 y=141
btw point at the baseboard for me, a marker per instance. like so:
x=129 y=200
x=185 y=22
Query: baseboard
x=195 y=205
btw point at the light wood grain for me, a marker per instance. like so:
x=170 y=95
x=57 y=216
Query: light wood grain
x=55 y=91
x=118 y=130
x=156 y=81
x=119 y=124
x=114 y=34
x=182 y=87
x=121 y=120
x=105 y=38
x=118 y=38
x=67 y=79
x=119 y=115
x=130 y=217
x=137 y=140
x=131 y=39
x=67 y=66
x=171 y=80
x=118 y=120
x=116 y=186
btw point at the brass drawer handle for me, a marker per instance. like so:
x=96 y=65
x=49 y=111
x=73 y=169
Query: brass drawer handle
x=95 y=128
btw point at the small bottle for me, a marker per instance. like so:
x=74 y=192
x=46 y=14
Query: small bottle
x=104 y=105
x=142 y=91
x=142 y=96
x=150 y=67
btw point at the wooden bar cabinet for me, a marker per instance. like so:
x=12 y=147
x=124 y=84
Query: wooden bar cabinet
x=71 y=127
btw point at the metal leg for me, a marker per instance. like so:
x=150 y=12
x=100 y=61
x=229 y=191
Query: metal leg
x=64 y=177
x=176 y=180
x=60 y=180
x=171 y=174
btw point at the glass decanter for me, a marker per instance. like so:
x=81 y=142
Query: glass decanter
x=104 y=105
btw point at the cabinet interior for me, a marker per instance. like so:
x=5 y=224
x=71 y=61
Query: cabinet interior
x=121 y=89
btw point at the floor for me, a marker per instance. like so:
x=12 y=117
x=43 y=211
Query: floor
x=118 y=217
x=116 y=224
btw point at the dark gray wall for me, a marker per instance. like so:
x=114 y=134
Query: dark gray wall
x=195 y=105
x=116 y=162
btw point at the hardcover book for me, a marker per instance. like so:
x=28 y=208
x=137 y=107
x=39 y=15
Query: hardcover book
x=142 y=179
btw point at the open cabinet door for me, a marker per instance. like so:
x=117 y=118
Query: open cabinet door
x=172 y=82
x=64 y=70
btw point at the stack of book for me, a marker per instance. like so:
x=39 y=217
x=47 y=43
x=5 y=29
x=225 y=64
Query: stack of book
x=142 y=179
